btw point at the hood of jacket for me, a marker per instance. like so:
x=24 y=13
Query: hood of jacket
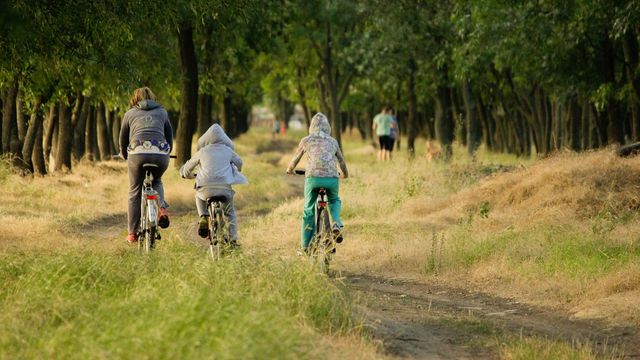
x=214 y=135
x=147 y=105
x=320 y=125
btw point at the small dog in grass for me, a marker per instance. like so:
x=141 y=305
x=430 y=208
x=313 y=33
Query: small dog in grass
x=432 y=151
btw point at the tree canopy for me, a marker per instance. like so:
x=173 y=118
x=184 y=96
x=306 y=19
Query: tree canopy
x=517 y=77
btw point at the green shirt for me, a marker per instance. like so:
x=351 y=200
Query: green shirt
x=383 y=124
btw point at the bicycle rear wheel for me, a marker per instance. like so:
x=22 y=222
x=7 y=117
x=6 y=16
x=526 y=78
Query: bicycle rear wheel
x=323 y=240
x=150 y=238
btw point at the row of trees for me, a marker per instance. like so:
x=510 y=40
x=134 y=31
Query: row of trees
x=68 y=68
x=518 y=77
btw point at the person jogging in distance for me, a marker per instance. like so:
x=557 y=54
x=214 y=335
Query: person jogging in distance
x=382 y=124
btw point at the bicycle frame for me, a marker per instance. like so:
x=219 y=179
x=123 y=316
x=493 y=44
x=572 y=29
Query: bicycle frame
x=149 y=208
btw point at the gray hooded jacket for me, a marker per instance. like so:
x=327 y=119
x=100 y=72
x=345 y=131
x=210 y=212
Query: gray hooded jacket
x=146 y=129
x=323 y=152
x=215 y=163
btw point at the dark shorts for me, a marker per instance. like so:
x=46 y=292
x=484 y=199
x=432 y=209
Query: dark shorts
x=386 y=143
x=392 y=141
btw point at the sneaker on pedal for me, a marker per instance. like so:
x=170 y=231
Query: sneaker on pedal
x=233 y=245
x=163 y=218
x=203 y=226
x=132 y=238
x=337 y=233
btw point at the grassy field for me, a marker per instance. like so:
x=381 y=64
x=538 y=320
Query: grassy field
x=560 y=232
x=72 y=288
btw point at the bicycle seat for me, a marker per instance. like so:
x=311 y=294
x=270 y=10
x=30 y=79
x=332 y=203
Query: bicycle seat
x=218 y=198
x=149 y=166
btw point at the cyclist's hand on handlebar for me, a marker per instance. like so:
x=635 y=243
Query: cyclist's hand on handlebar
x=289 y=171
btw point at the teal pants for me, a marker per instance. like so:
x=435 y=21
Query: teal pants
x=311 y=186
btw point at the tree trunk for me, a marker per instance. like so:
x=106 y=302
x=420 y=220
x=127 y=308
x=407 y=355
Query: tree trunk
x=474 y=130
x=444 y=121
x=20 y=118
x=102 y=132
x=614 y=120
x=226 y=118
x=111 y=138
x=80 y=128
x=205 y=109
x=189 y=106
x=412 y=128
x=35 y=125
x=575 y=121
x=459 y=125
x=90 y=135
x=37 y=156
x=63 y=156
x=9 y=114
x=335 y=116
x=115 y=131
x=303 y=96
x=51 y=124
x=630 y=49
x=584 y=126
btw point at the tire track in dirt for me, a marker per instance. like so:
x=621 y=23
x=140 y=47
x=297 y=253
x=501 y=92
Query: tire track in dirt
x=428 y=321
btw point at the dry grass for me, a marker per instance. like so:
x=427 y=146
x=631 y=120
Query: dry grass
x=81 y=219
x=562 y=231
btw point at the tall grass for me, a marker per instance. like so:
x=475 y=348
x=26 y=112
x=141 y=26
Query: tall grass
x=545 y=349
x=175 y=303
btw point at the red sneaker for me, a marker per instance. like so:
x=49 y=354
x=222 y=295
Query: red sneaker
x=163 y=218
x=132 y=238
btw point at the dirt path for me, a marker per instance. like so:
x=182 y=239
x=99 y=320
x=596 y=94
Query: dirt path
x=428 y=321
x=425 y=321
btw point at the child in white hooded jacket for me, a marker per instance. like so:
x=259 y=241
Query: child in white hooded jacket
x=217 y=167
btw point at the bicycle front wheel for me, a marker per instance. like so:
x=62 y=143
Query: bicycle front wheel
x=323 y=240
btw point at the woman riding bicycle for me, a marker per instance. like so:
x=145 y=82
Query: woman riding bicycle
x=323 y=156
x=146 y=137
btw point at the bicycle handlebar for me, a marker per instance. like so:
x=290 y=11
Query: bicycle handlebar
x=302 y=172
x=119 y=157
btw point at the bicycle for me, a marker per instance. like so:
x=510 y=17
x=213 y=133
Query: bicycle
x=149 y=210
x=219 y=239
x=323 y=244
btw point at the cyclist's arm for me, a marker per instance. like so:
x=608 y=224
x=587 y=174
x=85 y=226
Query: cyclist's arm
x=124 y=137
x=236 y=160
x=187 y=168
x=296 y=157
x=168 y=132
x=342 y=163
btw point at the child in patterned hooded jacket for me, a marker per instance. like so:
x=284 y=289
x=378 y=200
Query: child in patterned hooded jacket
x=217 y=167
x=323 y=158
